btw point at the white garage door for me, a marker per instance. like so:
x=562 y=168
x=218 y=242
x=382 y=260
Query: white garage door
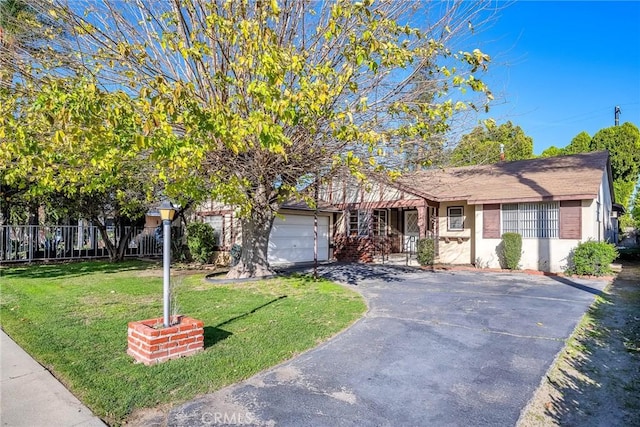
x=291 y=239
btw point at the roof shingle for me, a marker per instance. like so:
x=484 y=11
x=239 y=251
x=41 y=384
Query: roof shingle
x=571 y=177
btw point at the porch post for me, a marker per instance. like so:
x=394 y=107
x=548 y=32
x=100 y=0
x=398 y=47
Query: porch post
x=423 y=218
x=435 y=224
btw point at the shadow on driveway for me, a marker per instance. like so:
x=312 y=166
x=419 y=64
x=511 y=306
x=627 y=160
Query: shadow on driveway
x=569 y=282
x=354 y=273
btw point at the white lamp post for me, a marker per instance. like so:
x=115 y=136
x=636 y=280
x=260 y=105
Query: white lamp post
x=167 y=212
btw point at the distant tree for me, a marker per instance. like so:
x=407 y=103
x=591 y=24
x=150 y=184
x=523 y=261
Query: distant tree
x=623 y=143
x=482 y=145
x=581 y=143
x=553 y=151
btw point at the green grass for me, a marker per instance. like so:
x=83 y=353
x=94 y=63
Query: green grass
x=73 y=319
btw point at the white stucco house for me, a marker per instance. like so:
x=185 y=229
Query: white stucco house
x=554 y=203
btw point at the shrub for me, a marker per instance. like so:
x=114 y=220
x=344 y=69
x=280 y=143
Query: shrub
x=426 y=251
x=201 y=241
x=592 y=258
x=511 y=250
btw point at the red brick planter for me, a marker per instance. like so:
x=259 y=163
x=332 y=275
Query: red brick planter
x=151 y=343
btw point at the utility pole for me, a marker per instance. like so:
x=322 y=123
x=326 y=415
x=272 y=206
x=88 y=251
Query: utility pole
x=616 y=113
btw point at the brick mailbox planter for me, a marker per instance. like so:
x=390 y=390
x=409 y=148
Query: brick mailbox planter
x=150 y=343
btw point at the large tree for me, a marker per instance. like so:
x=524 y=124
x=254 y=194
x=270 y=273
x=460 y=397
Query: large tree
x=482 y=145
x=623 y=143
x=70 y=144
x=32 y=47
x=18 y=28
x=242 y=101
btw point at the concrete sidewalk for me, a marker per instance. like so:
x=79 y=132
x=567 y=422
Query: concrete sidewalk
x=31 y=396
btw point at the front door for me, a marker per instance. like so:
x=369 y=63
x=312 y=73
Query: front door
x=411 y=230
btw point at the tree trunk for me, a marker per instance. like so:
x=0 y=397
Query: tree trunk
x=255 y=243
x=111 y=249
x=4 y=212
x=123 y=243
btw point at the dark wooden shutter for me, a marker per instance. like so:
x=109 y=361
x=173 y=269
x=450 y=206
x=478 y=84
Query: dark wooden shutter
x=491 y=221
x=571 y=219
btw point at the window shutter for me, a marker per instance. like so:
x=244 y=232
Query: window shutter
x=571 y=219
x=491 y=221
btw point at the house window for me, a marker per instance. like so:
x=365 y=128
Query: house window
x=215 y=221
x=531 y=220
x=380 y=222
x=358 y=223
x=455 y=218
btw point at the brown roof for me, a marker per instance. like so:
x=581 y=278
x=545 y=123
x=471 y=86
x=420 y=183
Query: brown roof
x=574 y=177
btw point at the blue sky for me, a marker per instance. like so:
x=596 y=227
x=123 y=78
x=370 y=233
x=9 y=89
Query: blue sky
x=561 y=67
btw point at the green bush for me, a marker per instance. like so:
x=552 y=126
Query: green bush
x=201 y=241
x=426 y=251
x=511 y=250
x=592 y=258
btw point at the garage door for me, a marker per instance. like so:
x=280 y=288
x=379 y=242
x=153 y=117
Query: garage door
x=291 y=239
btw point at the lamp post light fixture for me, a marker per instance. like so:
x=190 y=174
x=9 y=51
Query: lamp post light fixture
x=167 y=212
x=182 y=338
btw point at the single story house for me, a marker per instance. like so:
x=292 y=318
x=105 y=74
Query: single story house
x=554 y=203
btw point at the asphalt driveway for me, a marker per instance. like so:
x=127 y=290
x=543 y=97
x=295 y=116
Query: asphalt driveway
x=435 y=348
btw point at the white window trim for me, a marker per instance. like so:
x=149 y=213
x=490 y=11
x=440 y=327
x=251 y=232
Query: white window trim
x=449 y=217
x=380 y=227
x=363 y=219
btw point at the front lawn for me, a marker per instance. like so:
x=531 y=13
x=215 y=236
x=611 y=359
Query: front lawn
x=73 y=319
